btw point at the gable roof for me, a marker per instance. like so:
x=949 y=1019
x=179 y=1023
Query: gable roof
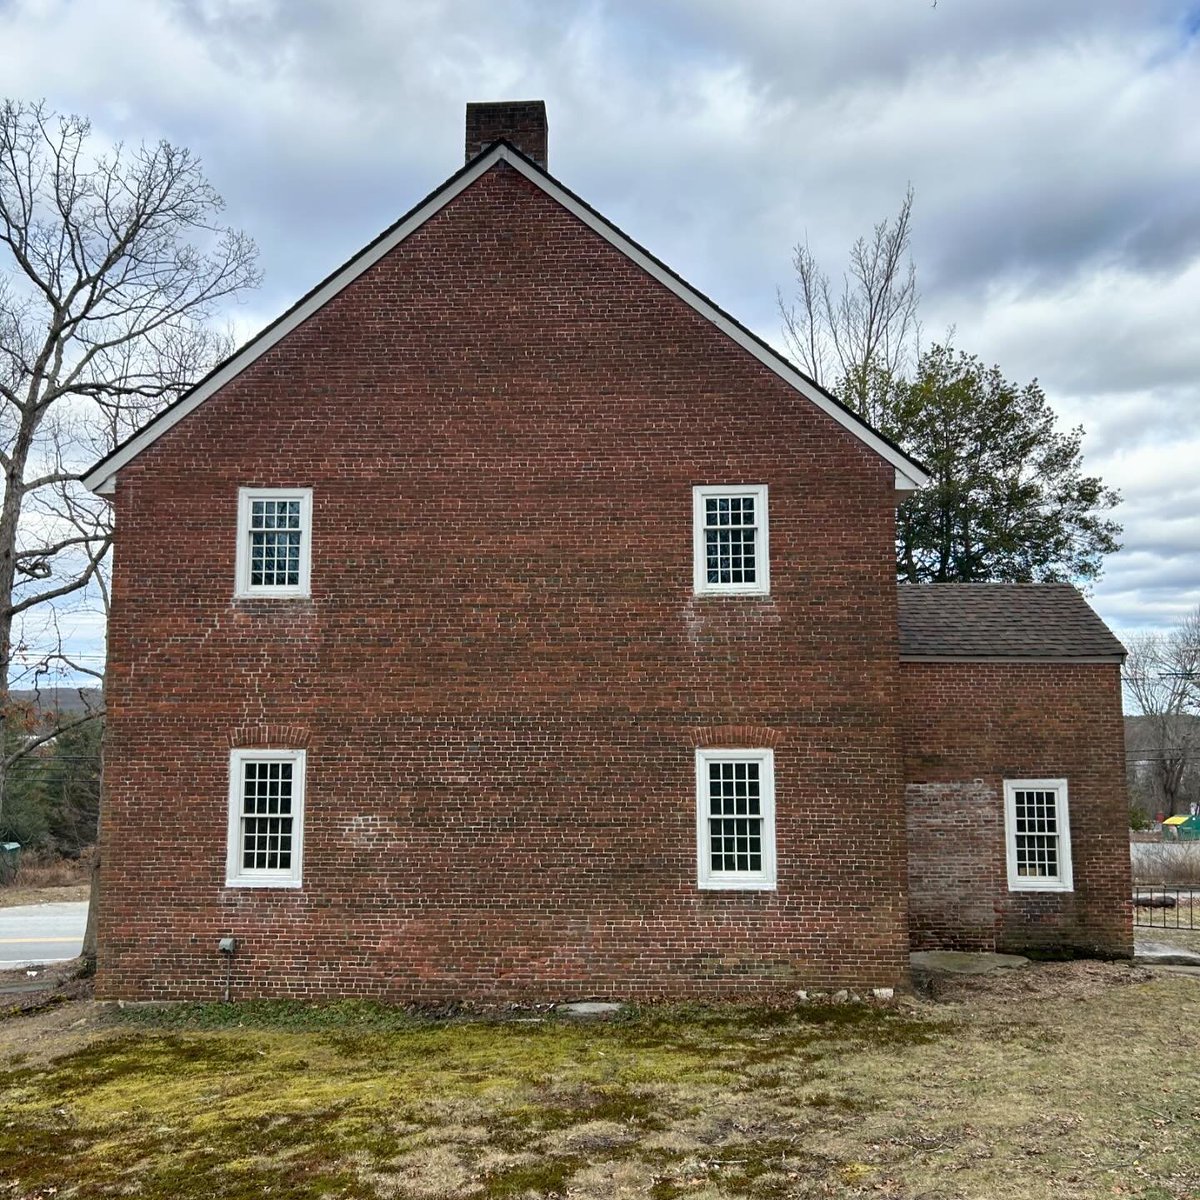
x=101 y=478
x=1002 y=621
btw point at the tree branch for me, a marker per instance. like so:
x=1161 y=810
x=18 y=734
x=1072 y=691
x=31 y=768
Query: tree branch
x=31 y=746
x=72 y=585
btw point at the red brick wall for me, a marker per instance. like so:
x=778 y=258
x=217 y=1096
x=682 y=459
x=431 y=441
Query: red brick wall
x=955 y=873
x=968 y=727
x=502 y=672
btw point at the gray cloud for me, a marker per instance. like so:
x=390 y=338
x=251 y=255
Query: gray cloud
x=1052 y=147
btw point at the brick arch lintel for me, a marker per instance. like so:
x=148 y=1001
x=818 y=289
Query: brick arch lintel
x=269 y=737
x=712 y=737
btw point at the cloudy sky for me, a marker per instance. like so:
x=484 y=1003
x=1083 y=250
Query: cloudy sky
x=1053 y=147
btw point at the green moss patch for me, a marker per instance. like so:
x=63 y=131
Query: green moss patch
x=362 y=1102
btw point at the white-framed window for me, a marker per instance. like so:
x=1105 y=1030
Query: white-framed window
x=274 y=546
x=266 y=818
x=1038 y=834
x=731 y=553
x=735 y=818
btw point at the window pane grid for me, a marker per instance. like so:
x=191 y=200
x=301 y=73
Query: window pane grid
x=267 y=816
x=275 y=535
x=730 y=539
x=735 y=825
x=1036 y=833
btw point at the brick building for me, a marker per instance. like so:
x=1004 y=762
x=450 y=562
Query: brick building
x=507 y=622
x=1012 y=697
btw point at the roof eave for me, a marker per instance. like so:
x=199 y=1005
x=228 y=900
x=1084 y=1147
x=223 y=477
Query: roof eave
x=1111 y=659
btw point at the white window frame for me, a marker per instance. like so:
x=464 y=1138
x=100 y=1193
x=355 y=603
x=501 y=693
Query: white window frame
x=1063 y=882
x=706 y=877
x=235 y=874
x=762 y=543
x=243 y=589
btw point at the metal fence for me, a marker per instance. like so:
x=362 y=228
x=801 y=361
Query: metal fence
x=1166 y=908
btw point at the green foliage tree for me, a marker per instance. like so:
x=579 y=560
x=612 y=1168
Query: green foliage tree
x=53 y=792
x=1009 y=500
x=72 y=787
x=26 y=816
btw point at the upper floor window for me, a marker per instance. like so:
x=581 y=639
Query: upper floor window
x=735 y=818
x=266 y=818
x=730 y=546
x=274 y=541
x=1038 y=835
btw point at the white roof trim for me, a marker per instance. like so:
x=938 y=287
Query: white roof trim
x=102 y=477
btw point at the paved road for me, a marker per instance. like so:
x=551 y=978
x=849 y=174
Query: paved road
x=41 y=933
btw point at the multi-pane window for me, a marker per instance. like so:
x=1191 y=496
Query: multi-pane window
x=735 y=818
x=730 y=540
x=266 y=816
x=1038 y=834
x=275 y=543
x=730 y=532
x=274 y=536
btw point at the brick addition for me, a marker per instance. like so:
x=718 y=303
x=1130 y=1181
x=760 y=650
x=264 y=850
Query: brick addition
x=968 y=726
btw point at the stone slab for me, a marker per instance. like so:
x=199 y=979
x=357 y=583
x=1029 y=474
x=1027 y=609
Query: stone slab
x=962 y=962
x=588 y=1008
x=1150 y=954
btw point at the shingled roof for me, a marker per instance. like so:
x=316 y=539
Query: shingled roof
x=1001 y=620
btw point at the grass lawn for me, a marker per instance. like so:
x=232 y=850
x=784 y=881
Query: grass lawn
x=1058 y=1081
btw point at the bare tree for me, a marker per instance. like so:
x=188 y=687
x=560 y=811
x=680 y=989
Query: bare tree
x=112 y=265
x=858 y=339
x=1162 y=677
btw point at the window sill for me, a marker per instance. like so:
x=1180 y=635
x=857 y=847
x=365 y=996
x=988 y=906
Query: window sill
x=280 y=595
x=732 y=593
x=1040 y=886
x=736 y=885
x=292 y=884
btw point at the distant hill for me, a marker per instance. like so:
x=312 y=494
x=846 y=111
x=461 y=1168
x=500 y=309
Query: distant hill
x=68 y=702
x=1140 y=740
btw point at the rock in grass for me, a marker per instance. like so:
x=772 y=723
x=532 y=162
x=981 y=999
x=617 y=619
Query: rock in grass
x=588 y=1008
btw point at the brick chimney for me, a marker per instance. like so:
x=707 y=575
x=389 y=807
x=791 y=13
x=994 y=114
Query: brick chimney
x=521 y=122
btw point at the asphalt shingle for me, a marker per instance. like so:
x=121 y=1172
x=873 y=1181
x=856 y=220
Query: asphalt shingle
x=1001 y=620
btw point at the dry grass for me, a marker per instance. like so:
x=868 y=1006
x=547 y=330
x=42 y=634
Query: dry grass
x=15 y=894
x=1170 y=864
x=1067 y=1081
x=51 y=871
x=47 y=879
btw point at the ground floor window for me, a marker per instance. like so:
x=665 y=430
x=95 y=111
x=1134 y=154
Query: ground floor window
x=266 y=818
x=1038 y=833
x=735 y=818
